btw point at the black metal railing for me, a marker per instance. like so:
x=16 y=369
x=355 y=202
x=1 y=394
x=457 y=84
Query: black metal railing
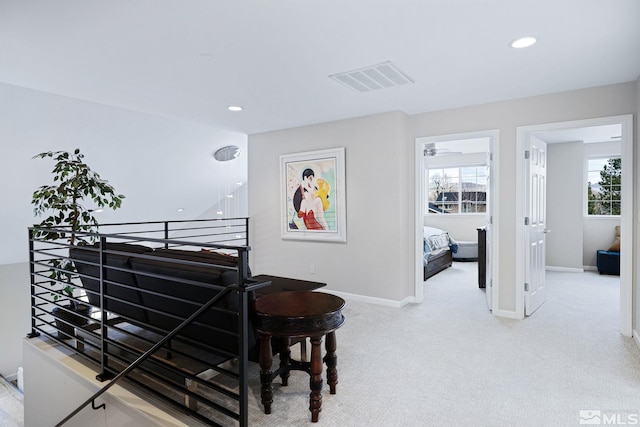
x=163 y=304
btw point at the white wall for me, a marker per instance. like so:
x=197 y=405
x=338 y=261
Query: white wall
x=15 y=315
x=159 y=164
x=565 y=197
x=599 y=234
x=377 y=259
x=235 y=207
x=55 y=384
x=460 y=227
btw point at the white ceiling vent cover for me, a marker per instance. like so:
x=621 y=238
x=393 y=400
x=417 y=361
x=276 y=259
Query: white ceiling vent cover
x=373 y=77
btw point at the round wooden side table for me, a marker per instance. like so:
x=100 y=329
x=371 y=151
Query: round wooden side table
x=299 y=314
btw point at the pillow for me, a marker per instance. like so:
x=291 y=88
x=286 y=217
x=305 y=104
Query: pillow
x=615 y=246
x=436 y=239
x=430 y=231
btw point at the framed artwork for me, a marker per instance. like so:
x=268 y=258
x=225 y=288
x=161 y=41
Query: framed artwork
x=312 y=192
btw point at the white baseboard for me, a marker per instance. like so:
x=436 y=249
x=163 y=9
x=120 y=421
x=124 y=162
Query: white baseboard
x=565 y=269
x=590 y=268
x=636 y=338
x=372 y=300
x=399 y=304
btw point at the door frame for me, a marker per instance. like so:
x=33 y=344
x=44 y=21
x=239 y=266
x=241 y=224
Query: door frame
x=626 y=217
x=493 y=135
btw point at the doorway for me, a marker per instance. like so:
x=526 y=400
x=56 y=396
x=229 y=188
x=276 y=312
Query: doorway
x=452 y=145
x=524 y=135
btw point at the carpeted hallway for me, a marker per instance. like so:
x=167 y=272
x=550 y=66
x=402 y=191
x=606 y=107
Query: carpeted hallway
x=448 y=362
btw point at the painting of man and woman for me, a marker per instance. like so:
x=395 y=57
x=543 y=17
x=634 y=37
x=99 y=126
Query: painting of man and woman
x=313 y=195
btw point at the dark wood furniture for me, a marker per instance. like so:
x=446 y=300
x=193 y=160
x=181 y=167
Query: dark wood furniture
x=437 y=263
x=482 y=257
x=284 y=284
x=298 y=314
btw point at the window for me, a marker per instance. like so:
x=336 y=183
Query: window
x=457 y=190
x=604 y=179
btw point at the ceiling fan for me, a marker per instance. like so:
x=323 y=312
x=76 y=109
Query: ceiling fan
x=430 y=150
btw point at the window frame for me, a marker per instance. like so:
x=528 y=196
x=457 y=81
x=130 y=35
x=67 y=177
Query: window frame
x=585 y=198
x=459 y=202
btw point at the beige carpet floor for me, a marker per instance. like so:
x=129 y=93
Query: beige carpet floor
x=448 y=362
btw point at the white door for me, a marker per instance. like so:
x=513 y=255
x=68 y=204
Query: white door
x=535 y=226
x=488 y=242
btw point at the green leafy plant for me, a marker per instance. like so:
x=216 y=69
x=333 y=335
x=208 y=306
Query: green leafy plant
x=74 y=185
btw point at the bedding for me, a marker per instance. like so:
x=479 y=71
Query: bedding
x=435 y=241
x=438 y=247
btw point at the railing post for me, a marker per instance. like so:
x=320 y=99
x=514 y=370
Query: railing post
x=243 y=342
x=243 y=266
x=32 y=278
x=166 y=234
x=104 y=362
x=243 y=352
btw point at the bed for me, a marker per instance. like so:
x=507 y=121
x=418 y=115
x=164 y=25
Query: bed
x=438 y=250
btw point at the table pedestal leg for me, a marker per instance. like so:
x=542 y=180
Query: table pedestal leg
x=332 y=362
x=315 y=382
x=266 y=389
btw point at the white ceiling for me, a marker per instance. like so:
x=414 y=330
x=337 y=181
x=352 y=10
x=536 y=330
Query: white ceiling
x=190 y=59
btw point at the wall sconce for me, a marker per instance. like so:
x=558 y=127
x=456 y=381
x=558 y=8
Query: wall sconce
x=227 y=153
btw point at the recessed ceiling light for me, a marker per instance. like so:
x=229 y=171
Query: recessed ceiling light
x=180 y=209
x=234 y=108
x=523 y=42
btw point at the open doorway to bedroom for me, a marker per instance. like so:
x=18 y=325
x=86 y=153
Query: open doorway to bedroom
x=591 y=193
x=454 y=210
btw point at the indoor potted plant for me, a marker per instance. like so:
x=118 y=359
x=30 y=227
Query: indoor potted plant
x=74 y=184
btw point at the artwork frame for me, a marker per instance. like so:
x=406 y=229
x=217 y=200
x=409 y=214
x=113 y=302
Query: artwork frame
x=312 y=195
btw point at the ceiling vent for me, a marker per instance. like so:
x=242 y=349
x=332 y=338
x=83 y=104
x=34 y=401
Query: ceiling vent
x=373 y=77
